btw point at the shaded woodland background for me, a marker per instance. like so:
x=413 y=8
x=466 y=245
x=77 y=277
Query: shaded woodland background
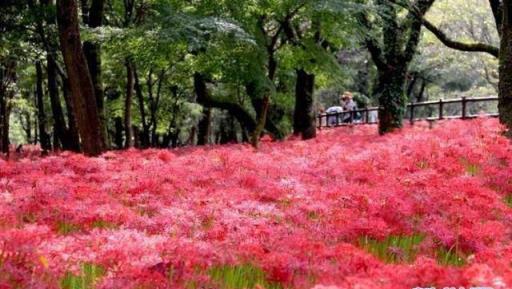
x=169 y=73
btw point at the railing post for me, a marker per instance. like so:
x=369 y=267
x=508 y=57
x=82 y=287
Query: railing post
x=352 y=114
x=337 y=119
x=366 y=115
x=441 y=109
x=411 y=117
x=464 y=107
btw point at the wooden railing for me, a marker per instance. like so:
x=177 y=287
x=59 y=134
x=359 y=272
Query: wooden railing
x=369 y=115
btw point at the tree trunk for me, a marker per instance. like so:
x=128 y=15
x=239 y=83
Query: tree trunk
x=4 y=122
x=92 y=51
x=7 y=76
x=392 y=56
x=260 y=123
x=144 y=138
x=118 y=132
x=174 y=138
x=421 y=93
x=26 y=120
x=304 y=117
x=505 y=70
x=204 y=127
x=59 y=123
x=192 y=136
x=412 y=85
x=44 y=138
x=128 y=130
x=230 y=130
x=72 y=133
x=255 y=93
x=262 y=111
x=82 y=89
x=390 y=91
x=154 y=109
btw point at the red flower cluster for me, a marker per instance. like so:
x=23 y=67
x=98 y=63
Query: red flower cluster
x=296 y=210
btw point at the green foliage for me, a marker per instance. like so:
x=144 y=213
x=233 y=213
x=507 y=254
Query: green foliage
x=471 y=168
x=101 y=224
x=405 y=249
x=393 y=249
x=89 y=275
x=66 y=228
x=245 y=276
x=450 y=257
x=508 y=200
x=228 y=41
x=451 y=73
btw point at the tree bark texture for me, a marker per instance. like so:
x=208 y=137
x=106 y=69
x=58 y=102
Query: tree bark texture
x=204 y=127
x=59 y=123
x=7 y=78
x=304 y=118
x=83 y=96
x=392 y=55
x=44 y=138
x=128 y=130
x=390 y=91
x=92 y=53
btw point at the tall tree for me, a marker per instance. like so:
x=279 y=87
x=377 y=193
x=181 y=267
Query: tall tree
x=93 y=18
x=63 y=137
x=304 y=116
x=392 y=55
x=82 y=89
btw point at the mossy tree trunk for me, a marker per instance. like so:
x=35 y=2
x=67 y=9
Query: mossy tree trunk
x=392 y=55
x=390 y=91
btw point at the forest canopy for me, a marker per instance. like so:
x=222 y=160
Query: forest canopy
x=169 y=73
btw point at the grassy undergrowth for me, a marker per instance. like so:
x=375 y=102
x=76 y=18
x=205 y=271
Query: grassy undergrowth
x=246 y=276
x=89 y=275
x=405 y=249
x=508 y=200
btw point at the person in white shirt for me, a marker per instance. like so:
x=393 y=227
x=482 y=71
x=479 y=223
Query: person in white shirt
x=334 y=115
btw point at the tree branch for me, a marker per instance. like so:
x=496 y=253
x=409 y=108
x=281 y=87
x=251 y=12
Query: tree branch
x=371 y=43
x=420 y=8
x=447 y=41
x=457 y=45
x=205 y=99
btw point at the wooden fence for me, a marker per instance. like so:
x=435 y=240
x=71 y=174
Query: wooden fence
x=460 y=108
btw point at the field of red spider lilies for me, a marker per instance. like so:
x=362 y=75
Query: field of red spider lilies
x=419 y=208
